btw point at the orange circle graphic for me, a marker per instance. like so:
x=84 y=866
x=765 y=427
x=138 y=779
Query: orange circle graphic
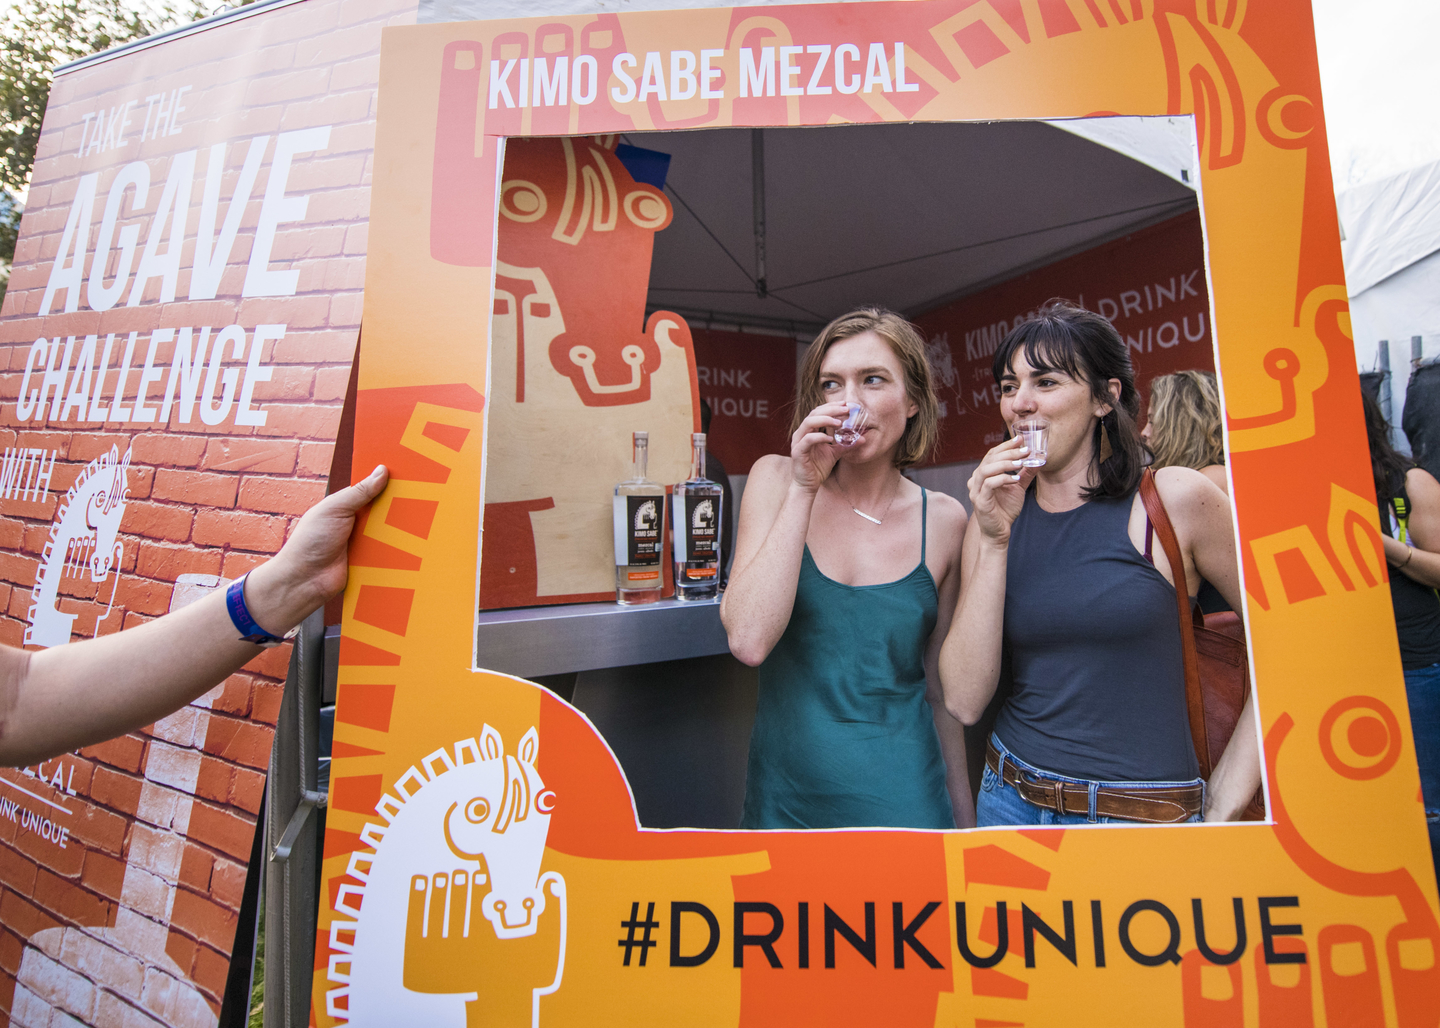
x=1286 y=119
x=1372 y=738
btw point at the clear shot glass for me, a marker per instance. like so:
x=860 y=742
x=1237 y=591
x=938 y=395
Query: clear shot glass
x=1036 y=436
x=853 y=430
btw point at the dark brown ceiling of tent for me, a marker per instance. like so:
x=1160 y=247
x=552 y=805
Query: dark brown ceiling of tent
x=908 y=216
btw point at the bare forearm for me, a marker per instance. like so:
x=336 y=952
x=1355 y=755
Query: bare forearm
x=761 y=595
x=970 y=657
x=1237 y=775
x=83 y=693
x=957 y=767
x=77 y=694
x=1423 y=567
x=1414 y=563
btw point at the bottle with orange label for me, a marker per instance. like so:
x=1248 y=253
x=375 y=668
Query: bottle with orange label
x=639 y=532
x=696 y=530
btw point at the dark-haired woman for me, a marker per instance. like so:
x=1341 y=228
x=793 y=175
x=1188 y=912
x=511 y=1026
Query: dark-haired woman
x=1410 y=519
x=844 y=579
x=1062 y=585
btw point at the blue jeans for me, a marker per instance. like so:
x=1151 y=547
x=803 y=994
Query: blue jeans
x=1001 y=804
x=1422 y=691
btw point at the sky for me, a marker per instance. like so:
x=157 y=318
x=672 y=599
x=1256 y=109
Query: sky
x=1380 y=75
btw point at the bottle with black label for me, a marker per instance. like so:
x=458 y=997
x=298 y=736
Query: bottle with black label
x=639 y=532
x=696 y=530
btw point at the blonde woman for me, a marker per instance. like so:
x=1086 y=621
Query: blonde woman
x=1183 y=429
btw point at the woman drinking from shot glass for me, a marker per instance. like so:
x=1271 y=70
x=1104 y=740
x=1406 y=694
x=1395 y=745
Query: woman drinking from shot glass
x=1057 y=589
x=844 y=581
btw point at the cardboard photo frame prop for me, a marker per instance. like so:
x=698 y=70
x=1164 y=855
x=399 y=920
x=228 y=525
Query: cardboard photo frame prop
x=568 y=912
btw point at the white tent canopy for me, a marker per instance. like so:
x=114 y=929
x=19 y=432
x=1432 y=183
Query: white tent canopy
x=1389 y=225
x=1166 y=144
x=1392 y=270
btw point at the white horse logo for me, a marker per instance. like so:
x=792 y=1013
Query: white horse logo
x=704 y=515
x=465 y=839
x=82 y=538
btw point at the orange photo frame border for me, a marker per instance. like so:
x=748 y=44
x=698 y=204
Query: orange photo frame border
x=1340 y=878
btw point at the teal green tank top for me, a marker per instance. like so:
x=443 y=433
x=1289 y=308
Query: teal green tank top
x=843 y=735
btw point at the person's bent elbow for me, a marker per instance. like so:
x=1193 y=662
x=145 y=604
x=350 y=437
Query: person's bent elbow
x=750 y=652
x=963 y=712
x=748 y=645
x=745 y=638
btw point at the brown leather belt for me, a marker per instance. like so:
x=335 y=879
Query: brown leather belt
x=1151 y=806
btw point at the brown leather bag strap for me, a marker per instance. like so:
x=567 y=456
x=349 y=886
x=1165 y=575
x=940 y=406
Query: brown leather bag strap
x=1194 y=697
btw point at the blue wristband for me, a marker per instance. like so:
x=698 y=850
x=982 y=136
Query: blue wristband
x=249 y=631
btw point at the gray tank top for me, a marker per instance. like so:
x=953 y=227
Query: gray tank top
x=1094 y=650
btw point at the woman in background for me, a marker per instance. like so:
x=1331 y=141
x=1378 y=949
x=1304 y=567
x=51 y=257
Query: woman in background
x=1410 y=520
x=1183 y=426
x=844 y=579
x=1183 y=430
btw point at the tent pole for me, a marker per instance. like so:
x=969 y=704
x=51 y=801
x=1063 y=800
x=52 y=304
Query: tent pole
x=757 y=177
x=1383 y=363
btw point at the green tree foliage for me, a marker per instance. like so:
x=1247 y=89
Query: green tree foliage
x=9 y=228
x=37 y=35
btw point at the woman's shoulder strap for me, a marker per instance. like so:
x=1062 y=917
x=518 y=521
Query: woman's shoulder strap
x=1399 y=497
x=924 y=526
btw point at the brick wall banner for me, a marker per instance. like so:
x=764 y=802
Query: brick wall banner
x=175 y=347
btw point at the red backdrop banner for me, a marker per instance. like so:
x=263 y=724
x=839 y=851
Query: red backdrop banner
x=1150 y=283
x=749 y=382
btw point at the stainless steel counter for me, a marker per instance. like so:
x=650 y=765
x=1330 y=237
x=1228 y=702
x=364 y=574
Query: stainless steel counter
x=585 y=636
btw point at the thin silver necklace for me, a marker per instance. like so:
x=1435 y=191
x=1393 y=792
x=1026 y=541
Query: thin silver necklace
x=868 y=517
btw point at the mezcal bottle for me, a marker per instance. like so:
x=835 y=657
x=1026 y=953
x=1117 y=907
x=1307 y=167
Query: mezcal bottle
x=639 y=530
x=696 y=530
